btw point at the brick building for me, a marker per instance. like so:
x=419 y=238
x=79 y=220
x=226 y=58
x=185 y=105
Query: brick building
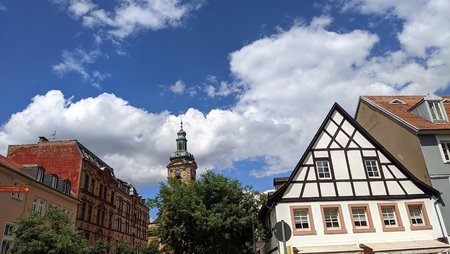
x=109 y=209
x=44 y=190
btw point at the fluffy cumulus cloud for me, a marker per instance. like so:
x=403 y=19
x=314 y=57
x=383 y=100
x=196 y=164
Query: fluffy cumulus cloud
x=285 y=84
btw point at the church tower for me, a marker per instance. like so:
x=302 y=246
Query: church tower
x=182 y=163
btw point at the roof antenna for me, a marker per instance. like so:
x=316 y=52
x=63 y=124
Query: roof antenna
x=54 y=133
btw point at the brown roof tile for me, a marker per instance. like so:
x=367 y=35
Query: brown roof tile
x=401 y=110
x=9 y=163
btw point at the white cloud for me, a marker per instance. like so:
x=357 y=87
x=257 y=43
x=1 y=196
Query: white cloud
x=77 y=61
x=214 y=88
x=178 y=87
x=130 y=16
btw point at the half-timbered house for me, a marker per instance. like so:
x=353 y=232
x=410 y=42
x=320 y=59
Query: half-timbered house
x=347 y=194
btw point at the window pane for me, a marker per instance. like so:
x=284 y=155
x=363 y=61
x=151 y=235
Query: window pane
x=372 y=168
x=445 y=149
x=359 y=217
x=331 y=218
x=301 y=219
x=415 y=211
x=323 y=169
x=389 y=216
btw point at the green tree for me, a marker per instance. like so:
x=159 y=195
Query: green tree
x=45 y=233
x=151 y=248
x=98 y=247
x=123 y=248
x=213 y=215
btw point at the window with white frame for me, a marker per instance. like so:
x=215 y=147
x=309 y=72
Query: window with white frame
x=8 y=232
x=415 y=212
x=38 y=205
x=323 y=169
x=437 y=113
x=359 y=217
x=445 y=146
x=372 y=168
x=301 y=219
x=40 y=174
x=54 y=183
x=389 y=218
x=17 y=195
x=331 y=217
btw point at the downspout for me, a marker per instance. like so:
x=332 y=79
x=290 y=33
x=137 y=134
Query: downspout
x=440 y=219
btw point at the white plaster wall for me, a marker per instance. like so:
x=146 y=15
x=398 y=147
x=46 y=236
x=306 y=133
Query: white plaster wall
x=321 y=154
x=394 y=188
x=337 y=117
x=356 y=164
x=410 y=187
x=344 y=189
x=322 y=141
x=331 y=127
x=396 y=172
x=369 y=153
x=378 y=188
x=342 y=139
x=362 y=141
x=283 y=213
x=293 y=190
x=339 y=164
x=348 y=128
x=327 y=190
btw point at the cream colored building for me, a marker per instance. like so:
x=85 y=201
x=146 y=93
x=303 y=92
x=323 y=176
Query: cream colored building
x=44 y=190
x=348 y=194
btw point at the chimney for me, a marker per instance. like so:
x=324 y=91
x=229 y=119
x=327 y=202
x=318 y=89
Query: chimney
x=42 y=139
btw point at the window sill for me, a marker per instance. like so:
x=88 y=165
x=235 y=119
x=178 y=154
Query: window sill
x=304 y=232
x=422 y=227
x=335 y=231
x=388 y=229
x=363 y=230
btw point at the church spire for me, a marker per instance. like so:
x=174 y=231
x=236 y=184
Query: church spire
x=182 y=163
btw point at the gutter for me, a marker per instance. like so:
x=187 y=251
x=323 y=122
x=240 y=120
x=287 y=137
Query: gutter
x=395 y=117
x=440 y=219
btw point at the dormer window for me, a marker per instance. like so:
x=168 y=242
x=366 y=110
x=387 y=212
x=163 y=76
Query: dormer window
x=40 y=174
x=54 y=182
x=436 y=111
x=66 y=187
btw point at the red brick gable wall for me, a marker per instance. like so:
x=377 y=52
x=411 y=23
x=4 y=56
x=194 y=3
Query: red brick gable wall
x=61 y=158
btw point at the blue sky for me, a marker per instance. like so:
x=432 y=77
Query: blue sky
x=253 y=78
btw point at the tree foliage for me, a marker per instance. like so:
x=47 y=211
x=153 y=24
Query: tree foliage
x=123 y=248
x=98 y=247
x=45 y=233
x=213 y=215
x=151 y=248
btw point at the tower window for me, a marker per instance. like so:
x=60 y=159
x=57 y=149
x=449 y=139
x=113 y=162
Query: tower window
x=180 y=146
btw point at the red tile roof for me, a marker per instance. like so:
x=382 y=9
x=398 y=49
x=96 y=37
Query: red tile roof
x=401 y=110
x=9 y=163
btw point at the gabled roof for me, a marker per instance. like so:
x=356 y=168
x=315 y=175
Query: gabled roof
x=402 y=112
x=279 y=195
